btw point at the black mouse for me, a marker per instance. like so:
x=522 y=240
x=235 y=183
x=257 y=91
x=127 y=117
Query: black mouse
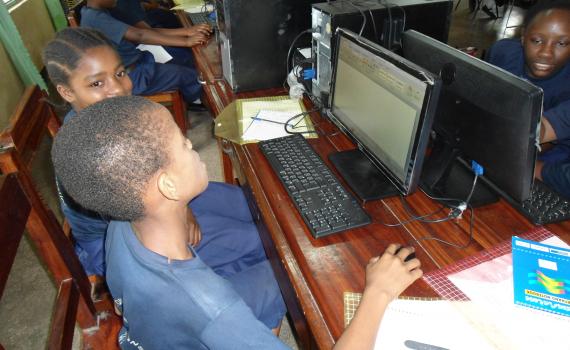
x=411 y=256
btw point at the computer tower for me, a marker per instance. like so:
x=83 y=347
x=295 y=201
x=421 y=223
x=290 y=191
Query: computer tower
x=254 y=38
x=381 y=22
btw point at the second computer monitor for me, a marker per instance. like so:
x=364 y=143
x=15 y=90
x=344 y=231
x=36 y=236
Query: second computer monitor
x=485 y=114
x=385 y=104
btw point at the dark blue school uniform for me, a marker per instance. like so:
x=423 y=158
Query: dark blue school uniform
x=183 y=304
x=148 y=77
x=131 y=12
x=508 y=54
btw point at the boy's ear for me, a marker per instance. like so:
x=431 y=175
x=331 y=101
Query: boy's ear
x=66 y=93
x=167 y=187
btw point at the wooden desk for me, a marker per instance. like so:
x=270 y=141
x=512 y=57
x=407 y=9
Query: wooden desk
x=314 y=274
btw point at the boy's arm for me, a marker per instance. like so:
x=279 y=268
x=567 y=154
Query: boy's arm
x=547 y=133
x=203 y=28
x=149 y=36
x=386 y=277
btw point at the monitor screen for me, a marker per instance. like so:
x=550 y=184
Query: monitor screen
x=385 y=104
x=485 y=113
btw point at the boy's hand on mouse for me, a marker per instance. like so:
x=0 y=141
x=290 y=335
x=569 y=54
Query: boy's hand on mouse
x=202 y=28
x=389 y=274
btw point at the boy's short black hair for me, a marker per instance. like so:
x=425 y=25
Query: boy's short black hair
x=105 y=156
x=542 y=6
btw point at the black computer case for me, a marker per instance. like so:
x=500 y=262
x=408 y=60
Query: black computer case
x=255 y=36
x=384 y=23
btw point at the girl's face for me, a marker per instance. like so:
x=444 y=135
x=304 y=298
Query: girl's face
x=99 y=75
x=546 y=43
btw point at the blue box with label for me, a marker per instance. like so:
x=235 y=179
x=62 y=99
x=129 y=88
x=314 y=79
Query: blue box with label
x=541 y=276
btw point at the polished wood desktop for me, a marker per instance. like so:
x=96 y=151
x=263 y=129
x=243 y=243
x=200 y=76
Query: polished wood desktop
x=314 y=273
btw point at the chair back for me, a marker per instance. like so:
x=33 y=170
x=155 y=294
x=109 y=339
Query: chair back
x=19 y=143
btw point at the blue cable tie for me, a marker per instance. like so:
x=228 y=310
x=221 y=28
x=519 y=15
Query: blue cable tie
x=477 y=168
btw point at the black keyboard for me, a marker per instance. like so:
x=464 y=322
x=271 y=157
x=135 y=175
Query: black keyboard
x=545 y=206
x=325 y=205
x=201 y=17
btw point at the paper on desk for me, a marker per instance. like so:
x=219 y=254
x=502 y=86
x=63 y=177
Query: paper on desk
x=269 y=125
x=192 y=6
x=250 y=108
x=434 y=322
x=489 y=286
x=159 y=53
x=237 y=116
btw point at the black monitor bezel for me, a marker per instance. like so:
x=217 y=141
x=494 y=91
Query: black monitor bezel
x=427 y=114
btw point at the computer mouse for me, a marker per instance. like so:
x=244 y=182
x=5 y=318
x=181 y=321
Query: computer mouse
x=411 y=256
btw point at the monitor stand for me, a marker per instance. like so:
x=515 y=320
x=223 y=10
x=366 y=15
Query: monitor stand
x=445 y=175
x=362 y=176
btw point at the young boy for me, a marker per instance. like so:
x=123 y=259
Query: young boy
x=149 y=77
x=542 y=56
x=125 y=158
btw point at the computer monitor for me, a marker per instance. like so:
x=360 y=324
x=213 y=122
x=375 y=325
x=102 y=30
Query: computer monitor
x=485 y=114
x=386 y=105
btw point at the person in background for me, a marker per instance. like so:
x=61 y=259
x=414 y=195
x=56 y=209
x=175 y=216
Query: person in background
x=542 y=56
x=148 y=76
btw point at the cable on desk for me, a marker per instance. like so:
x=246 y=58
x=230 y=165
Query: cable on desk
x=455 y=212
x=294 y=126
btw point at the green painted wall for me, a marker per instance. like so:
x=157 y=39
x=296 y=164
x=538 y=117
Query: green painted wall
x=34 y=23
x=11 y=88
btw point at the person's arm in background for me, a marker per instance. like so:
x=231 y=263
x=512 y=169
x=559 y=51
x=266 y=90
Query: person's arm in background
x=152 y=37
x=555 y=123
x=386 y=277
x=203 y=28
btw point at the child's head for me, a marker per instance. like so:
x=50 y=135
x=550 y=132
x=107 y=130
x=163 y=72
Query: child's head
x=85 y=68
x=546 y=38
x=125 y=156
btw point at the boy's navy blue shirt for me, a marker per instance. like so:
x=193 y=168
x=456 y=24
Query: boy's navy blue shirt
x=183 y=304
x=114 y=30
x=508 y=54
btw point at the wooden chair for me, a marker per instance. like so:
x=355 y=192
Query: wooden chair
x=21 y=208
x=32 y=120
x=170 y=99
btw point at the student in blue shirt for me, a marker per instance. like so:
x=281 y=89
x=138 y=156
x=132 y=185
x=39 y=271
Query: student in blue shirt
x=542 y=56
x=131 y=162
x=132 y=13
x=151 y=12
x=147 y=76
x=85 y=69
